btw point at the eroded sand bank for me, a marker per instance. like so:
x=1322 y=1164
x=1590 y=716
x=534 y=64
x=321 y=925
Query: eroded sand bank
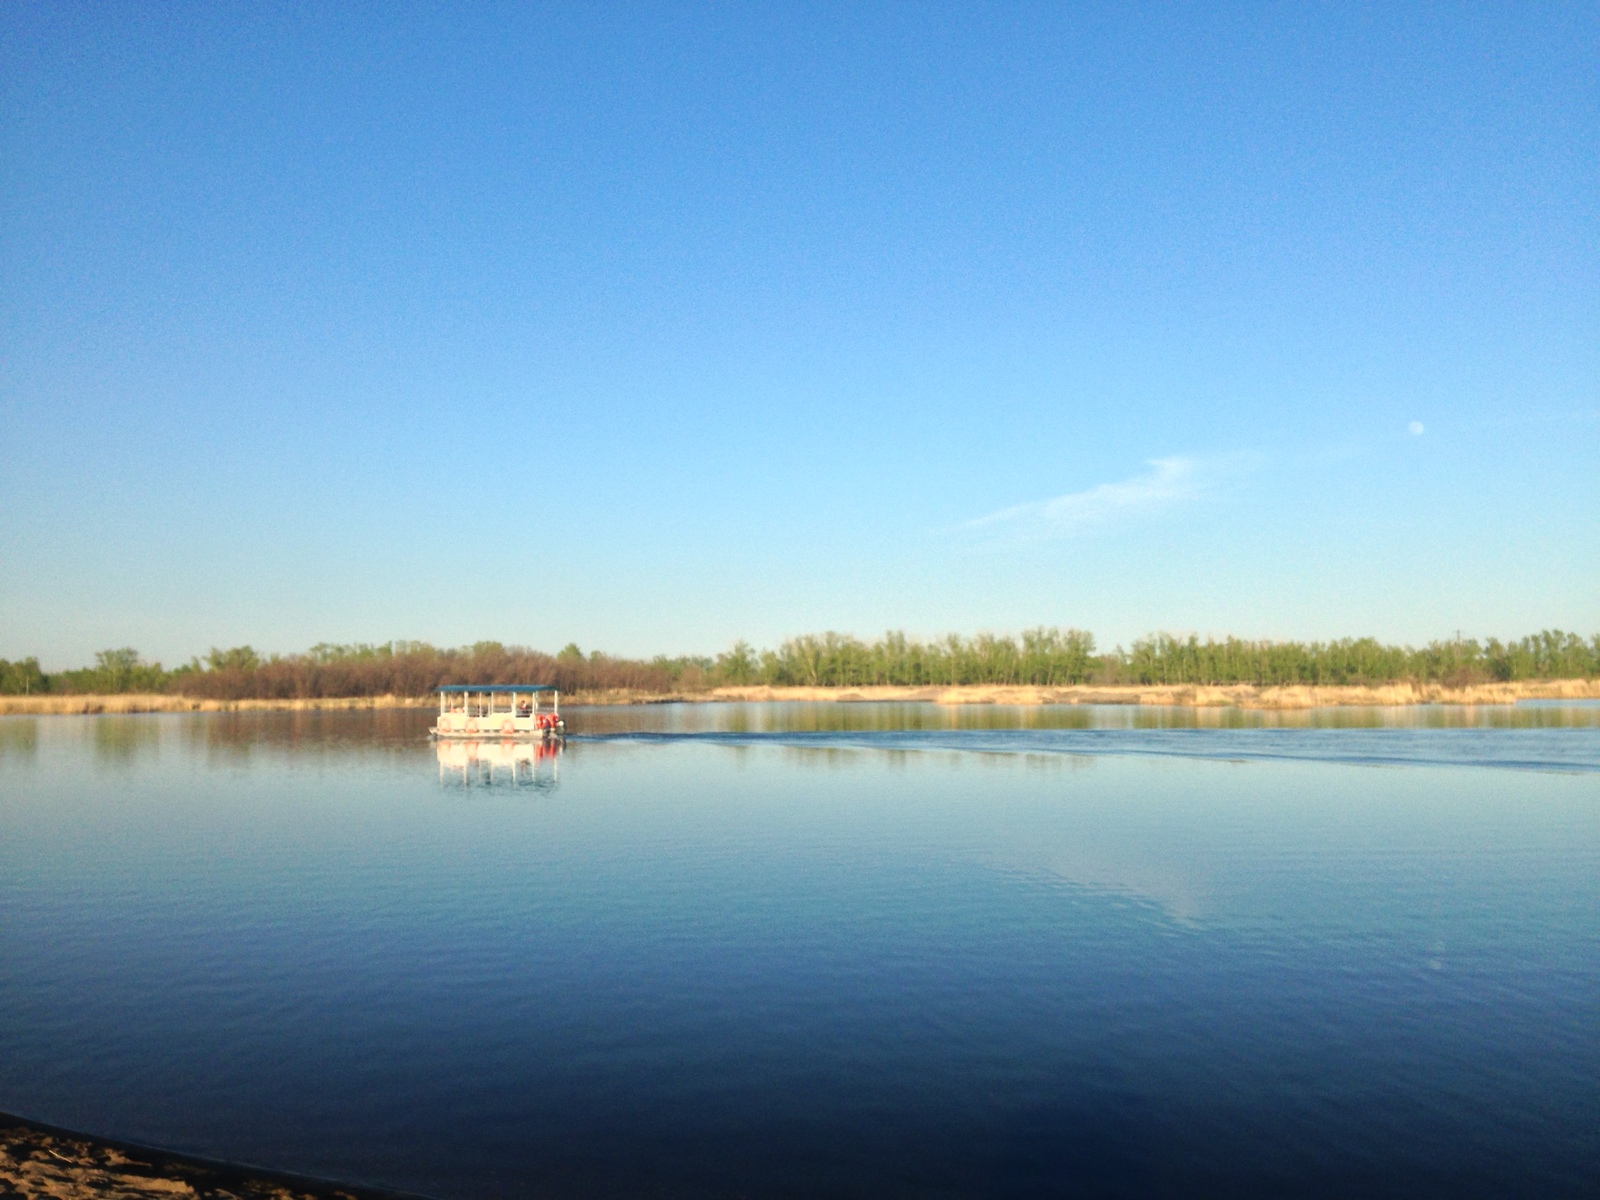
x=51 y=1164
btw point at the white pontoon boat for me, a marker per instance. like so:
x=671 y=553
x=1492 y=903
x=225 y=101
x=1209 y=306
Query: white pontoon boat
x=499 y=710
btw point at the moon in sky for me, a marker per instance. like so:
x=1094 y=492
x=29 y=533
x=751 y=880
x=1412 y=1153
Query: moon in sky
x=1415 y=427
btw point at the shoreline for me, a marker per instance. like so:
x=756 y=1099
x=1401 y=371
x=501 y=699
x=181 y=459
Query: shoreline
x=1238 y=695
x=51 y=1163
x=1391 y=695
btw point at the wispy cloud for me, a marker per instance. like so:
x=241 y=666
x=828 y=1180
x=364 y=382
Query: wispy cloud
x=1170 y=481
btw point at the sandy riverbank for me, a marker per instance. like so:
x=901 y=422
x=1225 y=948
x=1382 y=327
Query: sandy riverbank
x=1183 y=695
x=42 y=1163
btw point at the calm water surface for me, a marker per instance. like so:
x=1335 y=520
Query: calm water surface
x=842 y=950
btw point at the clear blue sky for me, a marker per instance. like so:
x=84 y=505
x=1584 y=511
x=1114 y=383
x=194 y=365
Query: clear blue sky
x=650 y=328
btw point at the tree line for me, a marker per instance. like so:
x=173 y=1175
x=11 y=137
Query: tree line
x=1043 y=656
x=1040 y=656
x=1164 y=658
x=327 y=670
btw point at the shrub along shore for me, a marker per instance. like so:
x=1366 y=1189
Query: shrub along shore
x=1039 y=666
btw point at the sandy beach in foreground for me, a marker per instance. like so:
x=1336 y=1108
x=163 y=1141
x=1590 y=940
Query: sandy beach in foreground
x=1182 y=695
x=44 y=1162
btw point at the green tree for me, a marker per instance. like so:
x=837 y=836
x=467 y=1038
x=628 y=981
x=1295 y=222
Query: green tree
x=240 y=658
x=738 y=666
x=22 y=678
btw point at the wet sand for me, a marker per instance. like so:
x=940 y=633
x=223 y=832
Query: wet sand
x=41 y=1161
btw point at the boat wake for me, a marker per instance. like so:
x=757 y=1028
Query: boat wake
x=1565 y=750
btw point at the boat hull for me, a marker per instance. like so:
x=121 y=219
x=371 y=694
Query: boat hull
x=491 y=734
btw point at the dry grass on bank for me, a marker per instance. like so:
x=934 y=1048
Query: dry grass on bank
x=135 y=702
x=1193 y=696
x=1182 y=695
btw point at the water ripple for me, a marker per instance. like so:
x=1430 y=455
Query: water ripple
x=1568 y=750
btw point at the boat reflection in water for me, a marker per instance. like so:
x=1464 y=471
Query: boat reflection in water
x=499 y=763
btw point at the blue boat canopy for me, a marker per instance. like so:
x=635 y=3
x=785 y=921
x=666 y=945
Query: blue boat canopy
x=496 y=687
